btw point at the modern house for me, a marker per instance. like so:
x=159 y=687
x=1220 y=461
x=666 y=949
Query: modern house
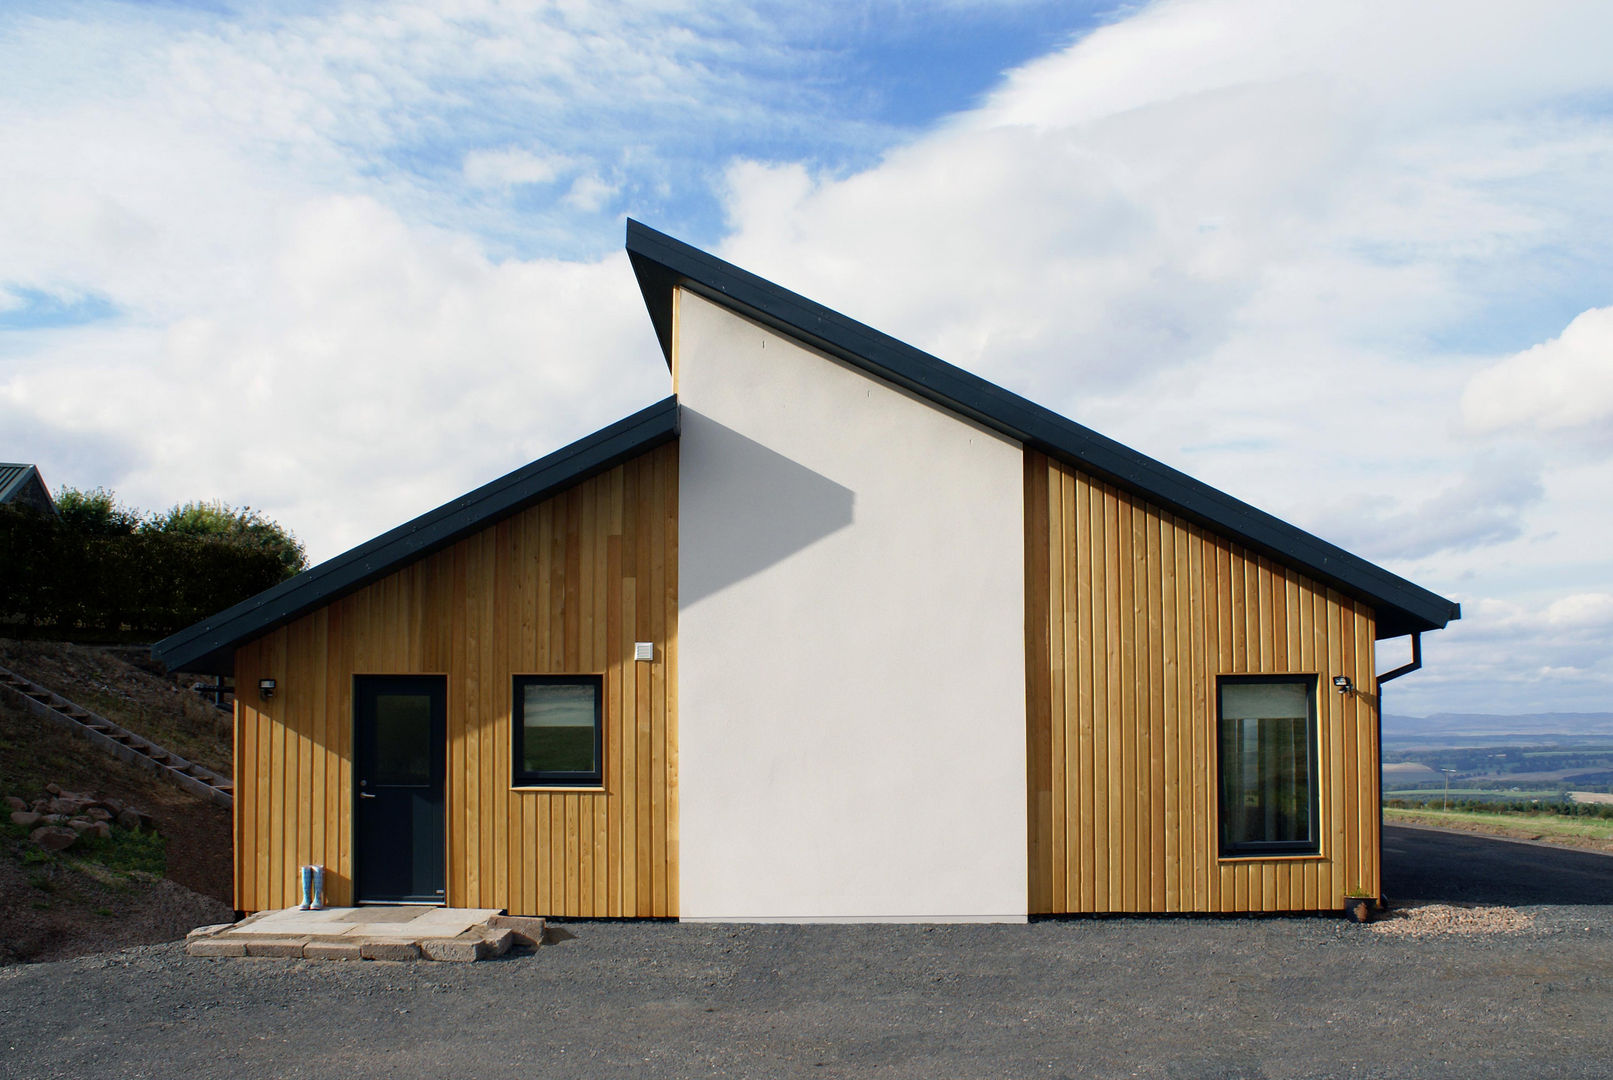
x=21 y=485
x=836 y=632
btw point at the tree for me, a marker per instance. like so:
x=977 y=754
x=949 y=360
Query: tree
x=241 y=526
x=96 y=512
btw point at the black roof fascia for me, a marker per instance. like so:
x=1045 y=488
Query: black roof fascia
x=662 y=262
x=209 y=646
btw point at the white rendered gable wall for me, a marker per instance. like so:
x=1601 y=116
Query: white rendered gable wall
x=851 y=683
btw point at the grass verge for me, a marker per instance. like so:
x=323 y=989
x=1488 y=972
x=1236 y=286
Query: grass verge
x=1552 y=828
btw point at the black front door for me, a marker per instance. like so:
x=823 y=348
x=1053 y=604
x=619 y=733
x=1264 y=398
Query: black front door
x=400 y=747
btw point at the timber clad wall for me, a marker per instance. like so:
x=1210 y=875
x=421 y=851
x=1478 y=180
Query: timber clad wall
x=564 y=587
x=1131 y=614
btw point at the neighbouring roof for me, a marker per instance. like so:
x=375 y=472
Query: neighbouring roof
x=209 y=646
x=22 y=484
x=662 y=264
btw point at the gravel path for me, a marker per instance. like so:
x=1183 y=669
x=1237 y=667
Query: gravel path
x=1180 y=997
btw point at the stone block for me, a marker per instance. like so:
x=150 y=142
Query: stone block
x=528 y=930
x=212 y=946
x=276 y=946
x=333 y=950
x=53 y=837
x=390 y=950
x=207 y=931
x=497 y=942
x=456 y=950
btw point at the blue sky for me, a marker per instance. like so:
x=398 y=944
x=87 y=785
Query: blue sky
x=1348 y=261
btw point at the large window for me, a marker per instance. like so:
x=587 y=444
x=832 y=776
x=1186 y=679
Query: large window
x=1268 y=765
x=558 y=730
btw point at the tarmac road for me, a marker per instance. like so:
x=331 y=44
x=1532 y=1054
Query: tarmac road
x=1112 y=997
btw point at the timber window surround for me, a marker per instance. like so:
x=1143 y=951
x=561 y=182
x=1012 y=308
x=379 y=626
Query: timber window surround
x=1267 y=740
x=558 y=731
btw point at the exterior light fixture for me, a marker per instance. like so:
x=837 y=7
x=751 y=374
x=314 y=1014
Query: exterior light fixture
x=1343 y=683
x=265 y=689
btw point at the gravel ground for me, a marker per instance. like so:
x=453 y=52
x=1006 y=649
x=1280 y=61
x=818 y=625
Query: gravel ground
x=1528 y=996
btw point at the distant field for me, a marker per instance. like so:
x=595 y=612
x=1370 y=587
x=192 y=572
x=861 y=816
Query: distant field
x=1574 y=832
x=1488 y=794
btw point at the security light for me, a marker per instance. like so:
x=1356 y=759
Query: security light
x=1343 y=683
x=265 y=689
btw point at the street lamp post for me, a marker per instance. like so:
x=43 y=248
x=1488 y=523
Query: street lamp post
x=1447 y=773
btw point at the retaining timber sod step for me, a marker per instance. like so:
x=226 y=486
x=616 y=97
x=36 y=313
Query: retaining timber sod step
x=118 y=741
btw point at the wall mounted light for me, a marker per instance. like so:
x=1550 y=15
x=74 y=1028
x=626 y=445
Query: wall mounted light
x=265 y=689
x=1343 y=683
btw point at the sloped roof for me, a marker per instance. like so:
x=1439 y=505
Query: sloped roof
x=22 y=483
x=663 y=263
x=209 y=646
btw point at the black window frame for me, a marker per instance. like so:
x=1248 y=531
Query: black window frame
x=1275 y=848
x=520 y=777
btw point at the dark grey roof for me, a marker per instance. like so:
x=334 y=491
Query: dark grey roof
x=22 y=484
x=662 y=263
x=209 y=646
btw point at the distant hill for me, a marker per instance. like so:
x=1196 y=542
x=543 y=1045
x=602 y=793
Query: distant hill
x=1543 y=728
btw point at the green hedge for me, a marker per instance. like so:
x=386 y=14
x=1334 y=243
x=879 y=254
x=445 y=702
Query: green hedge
x=59 y=581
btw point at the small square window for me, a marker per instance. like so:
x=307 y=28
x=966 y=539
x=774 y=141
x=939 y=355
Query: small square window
x=558 y=730
x=1268 y=765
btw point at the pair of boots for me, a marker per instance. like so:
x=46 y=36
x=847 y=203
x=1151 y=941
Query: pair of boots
x=313 y=889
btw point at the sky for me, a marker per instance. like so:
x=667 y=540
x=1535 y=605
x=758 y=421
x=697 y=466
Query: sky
x=1348 y=260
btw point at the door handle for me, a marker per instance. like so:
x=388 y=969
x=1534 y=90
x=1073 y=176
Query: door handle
x=365 y=795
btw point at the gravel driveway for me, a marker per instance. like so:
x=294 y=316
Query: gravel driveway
x=1177 y=997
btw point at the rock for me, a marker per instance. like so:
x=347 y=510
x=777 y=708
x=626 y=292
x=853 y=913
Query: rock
x=66 y=806
x=53 y=819
x=100 y=830
x=26 y=818
x=389 y=950
x=53 y=789
x=15 y=803
x=460 y=950
x=214 y=947
x=332 y=950
x=53 y=837
x=130 y=819
x=79 y=825
x=273 y=946
x=98 y=813
x=497 y=941
x=113 y=806
x=528 y=930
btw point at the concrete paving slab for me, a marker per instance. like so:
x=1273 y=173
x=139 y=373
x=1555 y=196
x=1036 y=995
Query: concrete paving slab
x=381 y=933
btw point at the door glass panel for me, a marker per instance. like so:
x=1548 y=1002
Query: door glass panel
x=402 y=739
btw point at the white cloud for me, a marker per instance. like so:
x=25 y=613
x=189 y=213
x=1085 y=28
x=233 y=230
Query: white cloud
x=1562 y=383
x=589 y=193
x=511 y=167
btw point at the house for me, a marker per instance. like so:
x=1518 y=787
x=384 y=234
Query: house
x=21 y=485
x=836 y=632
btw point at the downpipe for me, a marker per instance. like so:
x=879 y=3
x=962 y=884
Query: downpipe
x=1403 y=669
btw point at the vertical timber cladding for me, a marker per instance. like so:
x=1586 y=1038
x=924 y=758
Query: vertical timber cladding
x=565 y=586
x=1131 y=613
